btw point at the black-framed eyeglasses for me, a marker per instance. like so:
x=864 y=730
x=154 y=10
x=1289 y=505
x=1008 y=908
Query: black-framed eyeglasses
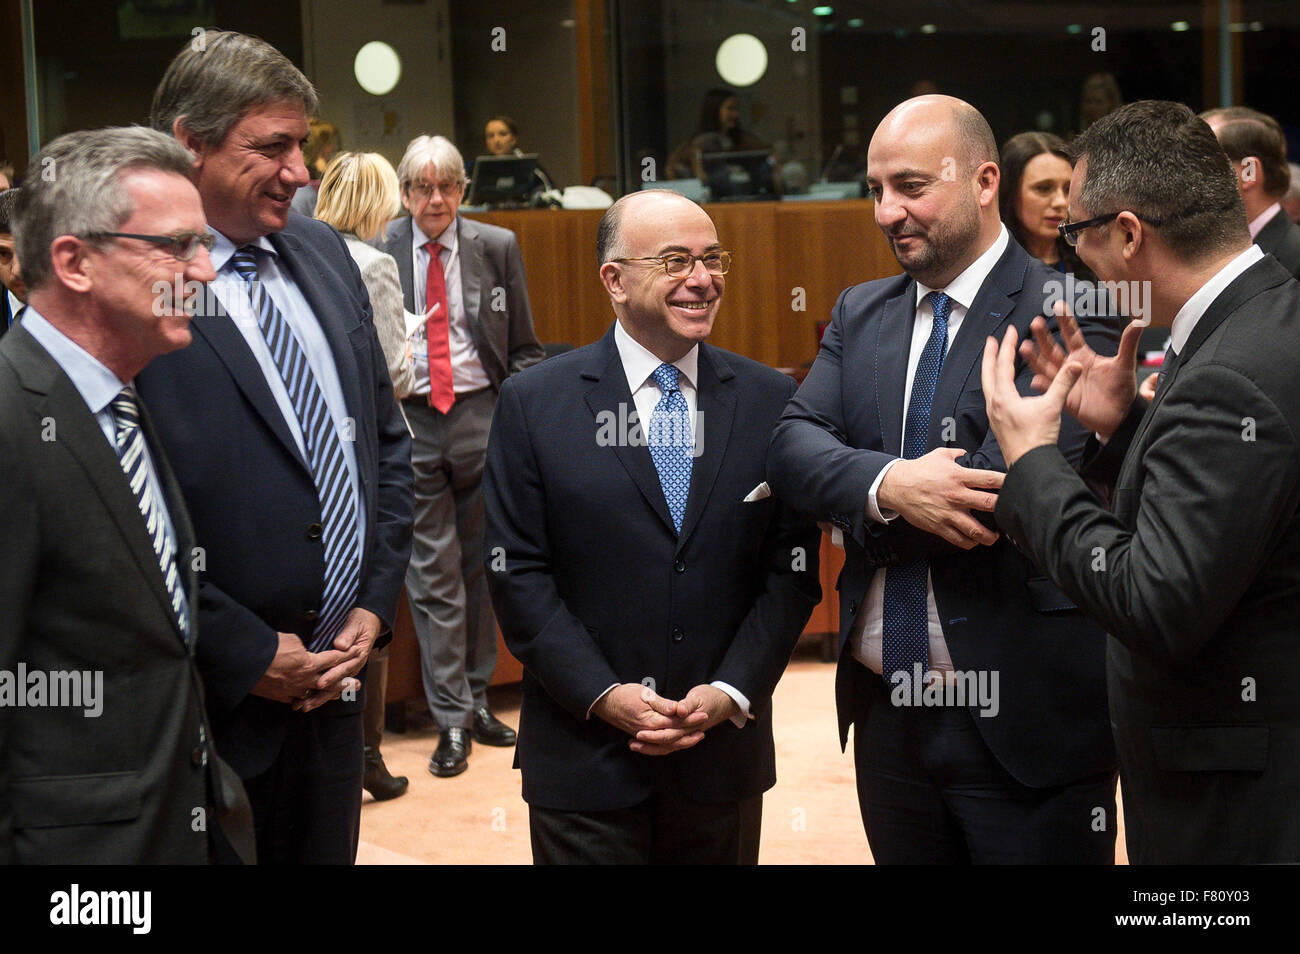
x=1070 y=230
x=680 y=265
x=183 y=246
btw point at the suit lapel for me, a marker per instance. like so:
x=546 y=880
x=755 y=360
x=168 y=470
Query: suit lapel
x=402 y=251
x=78 y=432
x=608 y=393
x=471 y=275
x=893 y=346
x=715 y=400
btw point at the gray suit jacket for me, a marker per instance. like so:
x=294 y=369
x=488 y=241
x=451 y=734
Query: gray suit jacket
x=379 y=274
x=80 y=590
x=502 y=326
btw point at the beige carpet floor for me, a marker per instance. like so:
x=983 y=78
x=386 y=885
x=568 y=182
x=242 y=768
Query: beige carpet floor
x=810 y=817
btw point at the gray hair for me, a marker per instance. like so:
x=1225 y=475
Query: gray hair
x=1160 y=161
x=218 y=77
x=75 y=188
x=436 y=151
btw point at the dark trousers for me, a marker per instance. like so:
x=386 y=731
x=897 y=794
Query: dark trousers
x=931 y=792
x=666 y=830
x=307 y=806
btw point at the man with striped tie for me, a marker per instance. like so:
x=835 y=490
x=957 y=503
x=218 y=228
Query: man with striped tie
x=975 y=687
x=290 y=450
x=105 y=752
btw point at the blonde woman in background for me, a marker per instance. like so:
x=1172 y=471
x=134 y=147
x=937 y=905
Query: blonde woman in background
x=358 y=195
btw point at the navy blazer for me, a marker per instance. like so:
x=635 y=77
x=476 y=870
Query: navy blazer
x=251 y=495
x=593 y=586
x=997 y=610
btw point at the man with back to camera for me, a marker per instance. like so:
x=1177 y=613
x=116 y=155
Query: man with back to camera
x=478 y=330
x=290 y=449
x=1200 y=585
x=653 y=593
x=887 y=437
x=13 y=295
x=96 y=560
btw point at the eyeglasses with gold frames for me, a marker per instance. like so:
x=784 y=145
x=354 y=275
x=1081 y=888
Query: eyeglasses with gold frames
x=681 y=265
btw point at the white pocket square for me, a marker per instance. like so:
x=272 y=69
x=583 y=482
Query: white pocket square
x=761 y=492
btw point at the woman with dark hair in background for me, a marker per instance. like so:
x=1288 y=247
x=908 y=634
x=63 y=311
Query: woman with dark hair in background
x=1034 y=198
x=719 y=131
x=501 y=137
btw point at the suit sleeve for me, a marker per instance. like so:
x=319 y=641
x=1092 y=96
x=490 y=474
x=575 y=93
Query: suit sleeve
x=790 y=591
x=19 y=564
x=523 y=349
x=234 y=663
x=810 y=463
x=550 y=641
x=380 y=276
x=1220 y=486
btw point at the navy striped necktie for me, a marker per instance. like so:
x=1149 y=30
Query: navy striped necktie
x=129 y=441
x=905 y=631
x=329 y=471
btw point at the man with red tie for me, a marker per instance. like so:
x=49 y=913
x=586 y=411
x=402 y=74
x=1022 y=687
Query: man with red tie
x=467 y=279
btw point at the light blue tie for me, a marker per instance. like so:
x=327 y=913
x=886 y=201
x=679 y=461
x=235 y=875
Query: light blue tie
x=671 y=443
x=905 y=636
x=129 y=440
x=329 y=469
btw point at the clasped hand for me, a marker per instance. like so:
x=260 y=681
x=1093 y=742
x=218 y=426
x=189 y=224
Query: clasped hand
x=308 y=680
x=660 y=726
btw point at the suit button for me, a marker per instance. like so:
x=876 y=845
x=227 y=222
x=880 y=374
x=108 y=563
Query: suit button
x=314 y=531
x=198 y=758
x=678 y=634
x=680 y=566
x=853 y=608
x=311 y=616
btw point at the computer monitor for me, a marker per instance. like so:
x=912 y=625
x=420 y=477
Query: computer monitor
x=502 y=181
x=736 y=176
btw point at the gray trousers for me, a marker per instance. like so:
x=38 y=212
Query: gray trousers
x=445 y=580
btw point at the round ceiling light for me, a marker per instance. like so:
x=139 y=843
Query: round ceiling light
x=377 y=67
x=741 y=59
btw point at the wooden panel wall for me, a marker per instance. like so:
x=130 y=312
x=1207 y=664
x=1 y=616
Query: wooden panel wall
x=819 y=247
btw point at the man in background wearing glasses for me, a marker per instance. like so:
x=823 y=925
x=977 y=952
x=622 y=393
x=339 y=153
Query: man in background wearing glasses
x=1000 y=751
x=649 y=581
x=113 y=763
x=467 y=280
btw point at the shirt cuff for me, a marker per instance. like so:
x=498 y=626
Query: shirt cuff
x=873 y=509
x=599 y=697
x=738 y=697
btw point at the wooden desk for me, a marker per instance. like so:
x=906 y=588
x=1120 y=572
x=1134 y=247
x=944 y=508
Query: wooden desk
x=779 y=248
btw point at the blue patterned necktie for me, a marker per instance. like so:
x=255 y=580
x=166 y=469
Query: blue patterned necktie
x=129 y=440
x=324 y=448
x=905 y=636
x=671 y=442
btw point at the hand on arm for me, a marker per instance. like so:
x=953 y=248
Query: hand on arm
x=936 y=494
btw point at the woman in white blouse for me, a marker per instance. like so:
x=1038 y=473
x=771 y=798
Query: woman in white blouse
x=358 y=195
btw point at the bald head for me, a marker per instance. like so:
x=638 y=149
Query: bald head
x=650 y=203
x=946 y=118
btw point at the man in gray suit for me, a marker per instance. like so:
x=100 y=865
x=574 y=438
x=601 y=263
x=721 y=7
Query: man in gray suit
x=105 y=752
x=467 y=278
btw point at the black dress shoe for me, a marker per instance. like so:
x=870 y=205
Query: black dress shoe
x=451 y=757
x=378 y=782
x=490 y=730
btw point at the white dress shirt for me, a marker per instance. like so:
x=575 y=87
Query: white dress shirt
x=467 y=373
x=1199 y=303
x=864 y=639
x=232 y=292
x=1261 y=220
x=97 y=386
x=639 y=364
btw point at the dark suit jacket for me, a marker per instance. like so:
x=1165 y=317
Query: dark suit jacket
x=255 y=508
x=1280 y=237
x=1201 y=586
x=80 y=590
x=489 y=259
x=597 y=588
x=998 y=612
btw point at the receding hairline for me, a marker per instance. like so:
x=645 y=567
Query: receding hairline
x=968 y=123
x=613 y=218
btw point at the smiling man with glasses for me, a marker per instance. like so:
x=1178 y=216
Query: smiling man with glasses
x=467 y=279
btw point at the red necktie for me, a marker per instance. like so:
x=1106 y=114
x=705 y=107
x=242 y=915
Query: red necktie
x=436 y=326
